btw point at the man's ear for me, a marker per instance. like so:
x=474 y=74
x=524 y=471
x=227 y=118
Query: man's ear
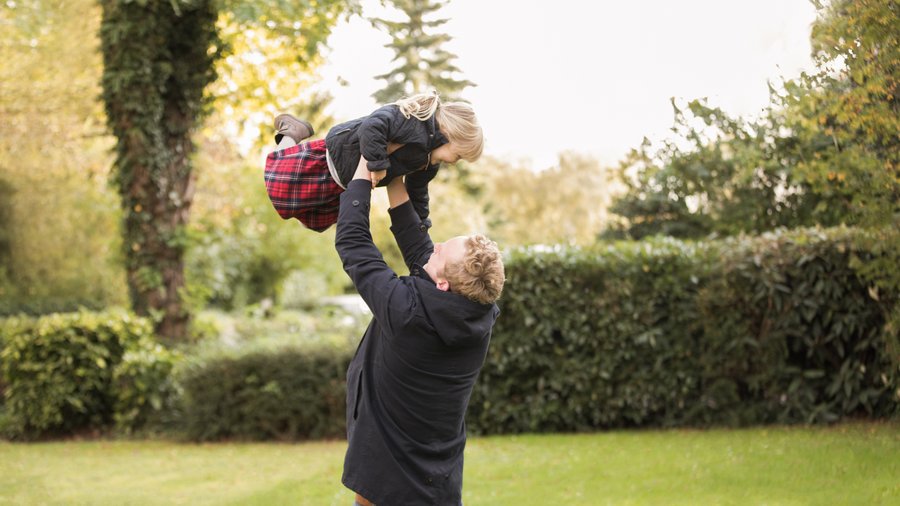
x=443 y=285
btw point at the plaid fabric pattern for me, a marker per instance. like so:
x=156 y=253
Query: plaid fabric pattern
x=300 y=186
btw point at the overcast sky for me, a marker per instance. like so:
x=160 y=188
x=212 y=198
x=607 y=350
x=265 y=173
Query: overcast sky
x=589 y=76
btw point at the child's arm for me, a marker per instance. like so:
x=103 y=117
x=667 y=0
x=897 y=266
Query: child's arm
x=417 y=187
x=374 y=133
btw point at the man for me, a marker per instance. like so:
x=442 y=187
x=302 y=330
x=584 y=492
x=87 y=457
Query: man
x=409 y=384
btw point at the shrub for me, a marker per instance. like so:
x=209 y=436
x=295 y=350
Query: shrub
x=59 y=369
x=3 y=332
x=282 y=392
x=778 y=328
x=145 y=392
x=3 y=417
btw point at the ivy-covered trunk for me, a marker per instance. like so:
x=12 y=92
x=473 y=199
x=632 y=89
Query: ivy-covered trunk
x=158 y=58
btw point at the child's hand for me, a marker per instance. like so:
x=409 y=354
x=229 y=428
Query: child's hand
x=377 y=176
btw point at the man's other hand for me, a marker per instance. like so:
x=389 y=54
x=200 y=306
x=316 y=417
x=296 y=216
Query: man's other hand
x=362 y=170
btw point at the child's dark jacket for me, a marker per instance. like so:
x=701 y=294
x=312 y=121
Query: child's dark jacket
x=369 y=137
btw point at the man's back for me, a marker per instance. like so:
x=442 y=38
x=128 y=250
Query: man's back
x=410 y=381
x=406 y=407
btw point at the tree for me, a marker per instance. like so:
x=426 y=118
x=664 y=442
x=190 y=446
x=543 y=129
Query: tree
x=159 y=57
x=565 y=204
x=422 y=63
x=721 y=175
x=57 y=215
x=824 y=152
x=853 y=98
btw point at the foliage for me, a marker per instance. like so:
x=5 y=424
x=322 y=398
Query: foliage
x=262 y=392
x=6 y=224
x=3 y=336
x=60 y=369
x=665 y=333
x=423 y=64
x=268 y=67
x=565 y=204
x=53 y=163
x=158 y=60
x=853 y=99
x=328 y=325
x=241 y=252
x=721 y=175
x=277 y=376
x=825 y=150
x=144 y=388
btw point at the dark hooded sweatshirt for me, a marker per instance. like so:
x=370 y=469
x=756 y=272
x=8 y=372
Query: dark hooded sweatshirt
x=409 y=383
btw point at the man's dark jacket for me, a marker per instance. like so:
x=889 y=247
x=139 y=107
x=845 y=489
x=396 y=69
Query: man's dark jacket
x=369 y=137
x=409 y=384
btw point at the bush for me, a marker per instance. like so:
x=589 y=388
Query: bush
x=145 y=392
x=3 y=332
x=778 y=328
x=59 y=369
x=282 y=392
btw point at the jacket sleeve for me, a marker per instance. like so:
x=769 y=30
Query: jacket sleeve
x=374 y=133
x=386 y=295
x=411 y=236
x=417 y=188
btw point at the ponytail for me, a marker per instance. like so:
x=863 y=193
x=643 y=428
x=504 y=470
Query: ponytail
x=456 y=120
x=421 y=106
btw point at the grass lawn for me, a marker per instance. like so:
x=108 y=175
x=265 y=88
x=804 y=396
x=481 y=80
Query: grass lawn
x=846 y=464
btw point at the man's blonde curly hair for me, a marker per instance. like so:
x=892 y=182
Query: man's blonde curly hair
x=479 y=276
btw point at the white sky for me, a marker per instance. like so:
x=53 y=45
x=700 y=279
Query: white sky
x=589 y=76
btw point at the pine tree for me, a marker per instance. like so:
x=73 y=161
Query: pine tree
x=421 y=62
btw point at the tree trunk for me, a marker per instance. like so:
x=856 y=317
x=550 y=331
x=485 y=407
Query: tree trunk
x=157 y=62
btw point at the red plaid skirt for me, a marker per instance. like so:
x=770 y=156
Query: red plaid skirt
x=300 y=186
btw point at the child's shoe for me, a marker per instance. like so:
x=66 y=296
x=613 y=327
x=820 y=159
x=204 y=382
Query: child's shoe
x=287 y=125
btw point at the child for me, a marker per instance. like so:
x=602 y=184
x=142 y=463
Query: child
x=410 y=137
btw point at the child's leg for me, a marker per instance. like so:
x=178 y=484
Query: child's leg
x=286 y=142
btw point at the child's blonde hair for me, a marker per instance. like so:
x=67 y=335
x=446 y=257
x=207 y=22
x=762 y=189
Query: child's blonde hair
x=455 y=119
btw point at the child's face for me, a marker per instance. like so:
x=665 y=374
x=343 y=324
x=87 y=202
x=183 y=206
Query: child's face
x=447 y=153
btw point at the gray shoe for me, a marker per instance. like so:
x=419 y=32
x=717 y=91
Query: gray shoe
x=297 y=129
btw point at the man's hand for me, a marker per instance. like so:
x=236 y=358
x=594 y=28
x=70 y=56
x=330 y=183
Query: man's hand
x=396 y=191
x=362 y=170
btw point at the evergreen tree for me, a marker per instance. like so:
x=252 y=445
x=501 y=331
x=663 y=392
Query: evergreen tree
x=422 y=64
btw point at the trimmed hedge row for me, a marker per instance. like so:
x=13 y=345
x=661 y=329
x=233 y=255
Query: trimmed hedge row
x=664 y=333
x=661 y=333
x=80 y=371
x=286 y=393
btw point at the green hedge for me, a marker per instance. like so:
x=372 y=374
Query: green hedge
x=62 y=372
x=3 y=418
x=777 y=328
x=660 y=333
x=285 y=392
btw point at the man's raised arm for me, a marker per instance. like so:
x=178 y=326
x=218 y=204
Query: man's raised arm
x=409 y=231
x=378 y=285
